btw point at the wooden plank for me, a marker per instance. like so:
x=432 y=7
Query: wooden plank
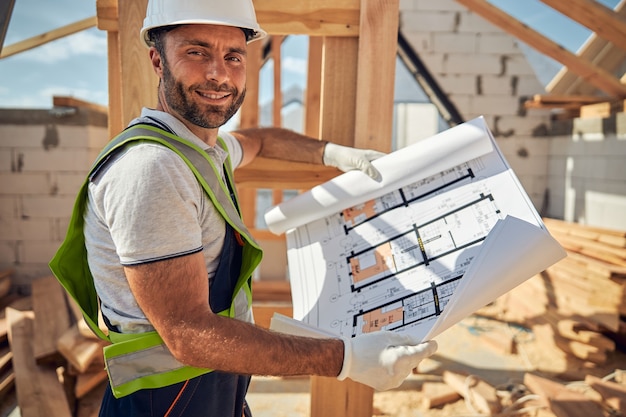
x=435 y=394
x=7 y=376
x=612 y=393
x=46 y=37
x=612 y=237
x=5 y=282
x=266 y=173
x=88 y=381
x=339 y=73
x=378 y=43
x=249 y=117
x=601 y=110
x=116 y=116
x=480 y=394
x=39 y=393
x=596 y=50
x=89 y=405
x=316 y=18
x=80 y=351
x=337 y=124
x=271 y=291
x=597 y=250
x=66 y=101
x=108 y=15
x=570 y=329
x=78 y=319
x=277 y=102
x=138 y=87
x=52 y=318
x=328 y=395
x=591 y=73
x=595 y=16
x=264 y=310
x=313 y=87
x=562 y=401
x=249 y=112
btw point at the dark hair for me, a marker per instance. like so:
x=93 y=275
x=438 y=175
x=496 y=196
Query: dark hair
x=250 y=34
x=155 y=37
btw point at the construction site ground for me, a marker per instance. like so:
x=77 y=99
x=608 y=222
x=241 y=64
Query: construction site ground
x=465 y=348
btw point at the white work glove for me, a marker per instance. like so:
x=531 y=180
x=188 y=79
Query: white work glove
x=346 y=159
x=383 y=359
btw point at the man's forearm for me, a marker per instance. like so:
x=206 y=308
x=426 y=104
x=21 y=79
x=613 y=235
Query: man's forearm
x=284 y=144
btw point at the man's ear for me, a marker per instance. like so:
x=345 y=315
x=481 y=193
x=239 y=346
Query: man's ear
x=157 y=62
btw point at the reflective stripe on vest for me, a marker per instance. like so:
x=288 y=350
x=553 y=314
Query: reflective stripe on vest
x=138 y=361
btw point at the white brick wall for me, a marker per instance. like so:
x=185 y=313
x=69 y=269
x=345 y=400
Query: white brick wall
x=483 y=71
x=587 y=177
x=39 y=178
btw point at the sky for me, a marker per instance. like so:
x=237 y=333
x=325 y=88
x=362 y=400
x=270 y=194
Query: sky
x=76 y=65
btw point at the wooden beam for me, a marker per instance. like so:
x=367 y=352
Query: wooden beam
x=338 y=100
x=595 y=16
x=378 y=43
x=138 y=83
x=116 y=116
x=330 y=397
x=39 y=392
x=277 y=102
x=562 y=401
x=599 y=52
x=66 y=101
x=340 y=70
x=249 y=117
x=596 y=76
x=44 y=38
x=267 y=173
x=108 y=15
x=310 y=17
x=52 y=318
x=313 y=87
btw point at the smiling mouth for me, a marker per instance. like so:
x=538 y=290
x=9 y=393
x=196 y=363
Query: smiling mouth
x=214 y=96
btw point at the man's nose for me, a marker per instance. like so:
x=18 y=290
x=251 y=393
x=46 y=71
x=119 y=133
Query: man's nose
x=216 y=70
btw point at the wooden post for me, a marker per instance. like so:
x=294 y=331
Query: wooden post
x=378 y=46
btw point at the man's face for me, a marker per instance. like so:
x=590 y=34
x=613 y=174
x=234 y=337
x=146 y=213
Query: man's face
x=204 y=73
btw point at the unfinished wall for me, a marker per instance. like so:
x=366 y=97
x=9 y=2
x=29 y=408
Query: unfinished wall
x=587 y=171
x=44 y=157
x=484 y=72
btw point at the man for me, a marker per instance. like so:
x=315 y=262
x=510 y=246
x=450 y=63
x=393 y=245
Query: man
x=169 y=256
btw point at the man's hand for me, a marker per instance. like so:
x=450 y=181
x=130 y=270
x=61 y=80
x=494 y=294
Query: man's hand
x=383 y=359
x=346 y=159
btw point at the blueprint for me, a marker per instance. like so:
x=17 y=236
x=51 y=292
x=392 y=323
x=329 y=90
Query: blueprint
x=447 y=230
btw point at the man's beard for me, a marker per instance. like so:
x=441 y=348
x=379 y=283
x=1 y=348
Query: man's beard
x=178 y=98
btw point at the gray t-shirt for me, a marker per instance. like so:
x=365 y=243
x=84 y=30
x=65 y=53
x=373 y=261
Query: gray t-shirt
x=146 y=205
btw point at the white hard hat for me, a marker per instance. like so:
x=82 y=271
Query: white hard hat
x=238 y=13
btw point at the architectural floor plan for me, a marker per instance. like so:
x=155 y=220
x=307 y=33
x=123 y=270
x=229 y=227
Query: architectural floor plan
x=394 y=261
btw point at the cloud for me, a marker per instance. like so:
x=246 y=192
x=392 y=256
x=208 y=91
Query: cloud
x=295 y=65
x=88 y=42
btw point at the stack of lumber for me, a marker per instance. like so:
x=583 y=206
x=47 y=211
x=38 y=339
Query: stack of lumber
x=56 y=361
x=578 y=303
x=536 y=395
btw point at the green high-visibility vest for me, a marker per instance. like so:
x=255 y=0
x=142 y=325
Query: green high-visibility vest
x=140 y=361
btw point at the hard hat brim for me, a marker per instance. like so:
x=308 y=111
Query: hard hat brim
x=258 y=33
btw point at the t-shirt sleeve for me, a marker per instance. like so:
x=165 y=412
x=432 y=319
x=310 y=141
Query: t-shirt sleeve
x=151 y=203
x=234 y=148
